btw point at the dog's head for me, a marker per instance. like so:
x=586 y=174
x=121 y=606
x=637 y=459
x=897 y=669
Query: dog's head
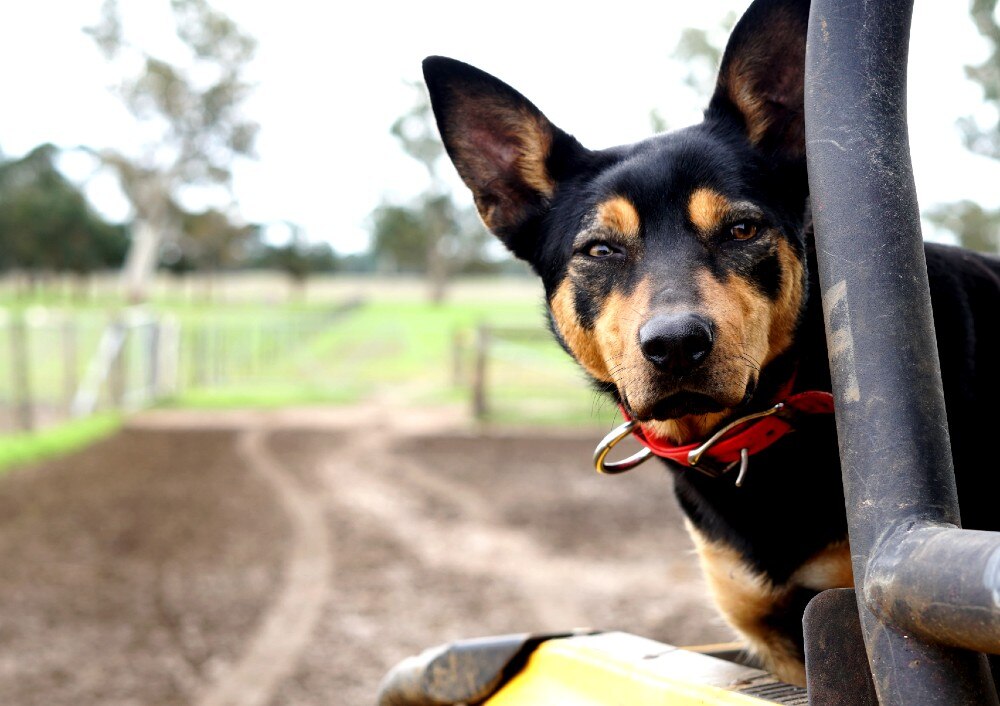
x=674 y=267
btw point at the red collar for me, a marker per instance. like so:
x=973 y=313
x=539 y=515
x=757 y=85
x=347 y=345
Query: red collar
x=731 y=444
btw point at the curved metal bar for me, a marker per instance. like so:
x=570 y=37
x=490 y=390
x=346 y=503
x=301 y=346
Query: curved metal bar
x=905 y=585
x=894 y=443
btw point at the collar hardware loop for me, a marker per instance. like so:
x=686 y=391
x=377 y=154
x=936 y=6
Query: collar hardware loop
x=694 y=456
x=608 y=442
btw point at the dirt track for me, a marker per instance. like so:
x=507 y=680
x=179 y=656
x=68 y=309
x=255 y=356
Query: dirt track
x=293 y=557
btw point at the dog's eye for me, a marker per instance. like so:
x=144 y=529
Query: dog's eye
x=744 y=230
x=601 y=251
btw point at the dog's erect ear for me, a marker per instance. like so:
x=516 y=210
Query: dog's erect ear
x=505 y=150
x=761 y=77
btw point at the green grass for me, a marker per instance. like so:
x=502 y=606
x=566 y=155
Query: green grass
x=272 y=396
x=389 y=343
x=25 y=448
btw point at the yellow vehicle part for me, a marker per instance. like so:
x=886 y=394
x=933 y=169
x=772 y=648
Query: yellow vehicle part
x=617 y=669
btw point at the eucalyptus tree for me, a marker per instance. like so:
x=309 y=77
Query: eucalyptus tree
x=192 y=114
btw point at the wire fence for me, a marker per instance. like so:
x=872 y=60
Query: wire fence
x=519 y=374
x=60 y=364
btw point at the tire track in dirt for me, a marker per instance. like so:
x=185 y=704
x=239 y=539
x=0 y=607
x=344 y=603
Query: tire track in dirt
x=474 y=542
x=287 y=627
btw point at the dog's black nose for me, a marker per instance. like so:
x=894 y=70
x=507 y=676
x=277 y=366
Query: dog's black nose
x=676 y=343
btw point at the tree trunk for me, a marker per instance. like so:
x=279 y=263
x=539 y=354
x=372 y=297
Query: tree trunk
x=140 y=263
x=437 y=276
x=438 y=265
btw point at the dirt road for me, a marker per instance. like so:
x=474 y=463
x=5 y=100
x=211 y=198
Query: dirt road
x=293 y=557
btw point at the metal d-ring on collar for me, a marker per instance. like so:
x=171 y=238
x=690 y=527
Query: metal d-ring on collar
x=609 y=442
x=694 y=456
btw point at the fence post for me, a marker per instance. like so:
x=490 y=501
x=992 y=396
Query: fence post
x=70 y=361
x=118 y=372
x=169 y=356
x=199 y=353
x=479 y=407
x=457 y=357
x=24 y=417
x=153 y=360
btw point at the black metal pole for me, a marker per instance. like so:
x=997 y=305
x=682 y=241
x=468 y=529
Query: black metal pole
x=891 y=419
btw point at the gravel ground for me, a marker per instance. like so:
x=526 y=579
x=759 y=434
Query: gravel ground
x=293 y=557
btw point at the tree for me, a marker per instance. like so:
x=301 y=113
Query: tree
x=432 y=235
x=194 y=112
x=700 y=50
x=974 y=226
x=213 y=241
x=297 y=258
x=416 y=134
x=209 y=241
x=432 y=229
x=400 y=238
x=46 y=224
x=984 y=138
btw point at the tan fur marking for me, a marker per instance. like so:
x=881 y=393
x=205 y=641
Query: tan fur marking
x=707 y=209
x=787 y=307
x=686 y=429
x=828 y=568
x=535 y=135
x=606 y=351
x=584 y=344
x=619 y=215
x=742 y=81
x=742 y=317
x=746 y=599
x=617 y=329
x=750 y=103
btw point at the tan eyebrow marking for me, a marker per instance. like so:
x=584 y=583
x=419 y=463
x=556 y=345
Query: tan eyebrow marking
x=620 y=215
x=707 y=209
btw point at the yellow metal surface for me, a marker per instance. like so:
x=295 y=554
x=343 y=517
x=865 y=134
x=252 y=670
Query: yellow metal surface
x=601 y=672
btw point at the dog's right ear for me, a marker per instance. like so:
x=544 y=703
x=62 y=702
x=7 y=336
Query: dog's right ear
x=505 y=150
x=762 y=76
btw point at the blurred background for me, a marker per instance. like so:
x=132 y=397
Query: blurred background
x=275 y=410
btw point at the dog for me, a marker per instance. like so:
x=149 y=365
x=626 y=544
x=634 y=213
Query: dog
x=680 y=273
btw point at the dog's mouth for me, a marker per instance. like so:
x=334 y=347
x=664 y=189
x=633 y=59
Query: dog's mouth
x=687 y=403
x=682 y=404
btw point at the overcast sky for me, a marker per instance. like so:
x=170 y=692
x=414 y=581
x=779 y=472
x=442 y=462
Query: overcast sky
x=331 y=80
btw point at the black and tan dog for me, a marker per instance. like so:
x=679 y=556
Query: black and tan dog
x=679 y=271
